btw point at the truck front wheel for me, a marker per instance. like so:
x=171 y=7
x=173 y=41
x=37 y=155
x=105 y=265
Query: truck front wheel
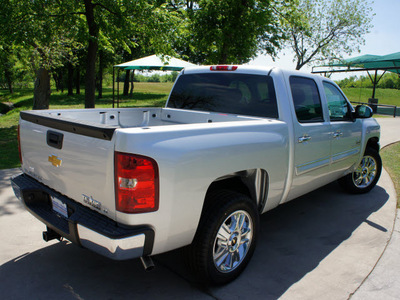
x=366 y=175
x=226 y=238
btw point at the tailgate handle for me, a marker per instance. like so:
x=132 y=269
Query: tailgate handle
x=55 y=139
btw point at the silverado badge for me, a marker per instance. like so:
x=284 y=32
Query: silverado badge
x=91 y=202
x=55 y=161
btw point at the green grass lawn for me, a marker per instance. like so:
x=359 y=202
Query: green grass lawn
x=146 y=94
x=385 y=96
x=390 y=156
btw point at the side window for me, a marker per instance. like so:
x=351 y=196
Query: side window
x=339 y=109
x=306 y=99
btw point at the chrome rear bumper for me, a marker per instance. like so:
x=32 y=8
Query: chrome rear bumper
x=83 y=226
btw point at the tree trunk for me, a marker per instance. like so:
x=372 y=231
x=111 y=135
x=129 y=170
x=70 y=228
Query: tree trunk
x=7 y=74
x=132 y=84
x=70 y=80
x=78 y=80
x=126 y=82
x=223 y=58
x=58 y=77
x=41 y=94
x=90 y=82
x=55 y=77
x=101 y=68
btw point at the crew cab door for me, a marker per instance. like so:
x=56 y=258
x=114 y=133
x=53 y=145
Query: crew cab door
x=312 y=137
x=346 y=133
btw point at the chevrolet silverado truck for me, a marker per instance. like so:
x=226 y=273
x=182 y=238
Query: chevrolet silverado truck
x=232 y=142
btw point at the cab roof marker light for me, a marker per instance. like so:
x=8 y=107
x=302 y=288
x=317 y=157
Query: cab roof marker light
x=223 y=68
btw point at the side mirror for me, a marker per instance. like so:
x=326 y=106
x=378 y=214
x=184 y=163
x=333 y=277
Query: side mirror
x=363 y=112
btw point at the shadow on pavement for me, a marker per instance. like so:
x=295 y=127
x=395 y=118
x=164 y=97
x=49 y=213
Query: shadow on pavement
x=9 y=204
x=294 y=239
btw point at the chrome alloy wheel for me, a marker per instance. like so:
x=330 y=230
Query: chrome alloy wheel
x=365 y=173
x=232 y=241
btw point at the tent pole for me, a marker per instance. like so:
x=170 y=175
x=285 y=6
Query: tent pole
x=374 y=84
x=113 y=89
x=118 y=88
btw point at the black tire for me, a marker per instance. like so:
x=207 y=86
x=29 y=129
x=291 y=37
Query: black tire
x=366 y=176
x=224 y=207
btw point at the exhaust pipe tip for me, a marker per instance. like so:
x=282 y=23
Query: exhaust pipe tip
x=148 y=263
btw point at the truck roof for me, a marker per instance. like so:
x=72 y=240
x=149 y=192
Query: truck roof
x=247 y=69
x=229 y=68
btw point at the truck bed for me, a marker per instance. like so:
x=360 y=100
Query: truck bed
x=101 y=123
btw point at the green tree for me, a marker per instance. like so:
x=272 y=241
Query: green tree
x=229 y=31
x=31 y=25
x=328 y=29
x=112 y=22
x=52 y=29
x=11 y=68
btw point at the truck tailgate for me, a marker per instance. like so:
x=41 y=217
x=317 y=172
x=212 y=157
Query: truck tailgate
x=76 y=165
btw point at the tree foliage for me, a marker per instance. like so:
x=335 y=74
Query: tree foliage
x=387 y=81
x=54 y=30
x=230 y=31
x=32 y=26
x=327 y=29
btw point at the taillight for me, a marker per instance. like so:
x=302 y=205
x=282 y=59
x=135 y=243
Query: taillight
x=223 y=68
x=19 y=145
x=136 y=183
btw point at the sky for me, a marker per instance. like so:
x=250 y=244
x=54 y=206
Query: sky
x=384 y=38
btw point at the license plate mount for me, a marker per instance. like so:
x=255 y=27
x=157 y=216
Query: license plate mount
x=59 y=207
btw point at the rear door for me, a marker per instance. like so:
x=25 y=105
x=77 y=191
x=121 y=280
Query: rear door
x=312 y=137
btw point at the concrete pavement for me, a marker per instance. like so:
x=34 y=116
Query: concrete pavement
x=383 y=282
x=320 y=246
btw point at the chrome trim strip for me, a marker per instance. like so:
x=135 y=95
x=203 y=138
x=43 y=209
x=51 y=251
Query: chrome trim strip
x=117 y=249
x=312 y=165
x=343 y=155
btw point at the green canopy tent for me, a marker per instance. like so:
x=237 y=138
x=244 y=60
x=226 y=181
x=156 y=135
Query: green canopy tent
x=368 y=63
x=152 y=62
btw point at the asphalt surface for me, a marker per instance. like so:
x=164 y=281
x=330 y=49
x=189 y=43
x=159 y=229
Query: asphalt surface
x=324 y=245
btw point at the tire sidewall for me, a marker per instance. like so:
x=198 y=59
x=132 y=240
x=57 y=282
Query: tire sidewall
x=348 y=182
x=240 y=203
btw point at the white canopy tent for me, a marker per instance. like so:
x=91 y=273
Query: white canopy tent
x=152 y=62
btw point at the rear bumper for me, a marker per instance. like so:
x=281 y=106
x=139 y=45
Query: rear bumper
x=83 y=226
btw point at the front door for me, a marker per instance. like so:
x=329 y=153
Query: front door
x=346 y=133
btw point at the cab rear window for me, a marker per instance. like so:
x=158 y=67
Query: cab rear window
x=241 y=94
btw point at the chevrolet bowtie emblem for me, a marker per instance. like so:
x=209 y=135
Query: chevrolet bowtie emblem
x=55 y=161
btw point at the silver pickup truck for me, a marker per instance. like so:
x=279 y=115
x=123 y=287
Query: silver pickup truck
x=232 y=143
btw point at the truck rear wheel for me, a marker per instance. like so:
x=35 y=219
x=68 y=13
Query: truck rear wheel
x=226 y=238
x=366 y=175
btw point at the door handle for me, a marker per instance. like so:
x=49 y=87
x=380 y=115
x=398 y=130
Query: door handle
x=337 y=134
x=305 y=138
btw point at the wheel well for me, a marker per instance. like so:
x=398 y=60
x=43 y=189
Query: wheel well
x=373 y=143
x=252 y=183
x=233 y=184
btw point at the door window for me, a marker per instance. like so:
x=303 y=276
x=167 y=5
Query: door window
x=339 y=108
x=306 y=99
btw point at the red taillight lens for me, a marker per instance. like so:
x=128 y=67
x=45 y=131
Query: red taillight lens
x=223 y=68
x=136 y=183
x=19 y=145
